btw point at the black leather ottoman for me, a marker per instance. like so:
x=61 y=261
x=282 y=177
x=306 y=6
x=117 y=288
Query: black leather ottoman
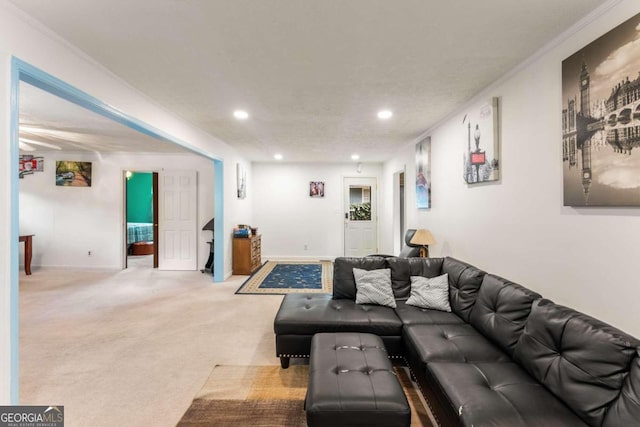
x=352 y=383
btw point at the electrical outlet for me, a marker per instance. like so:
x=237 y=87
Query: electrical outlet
x=89 y=253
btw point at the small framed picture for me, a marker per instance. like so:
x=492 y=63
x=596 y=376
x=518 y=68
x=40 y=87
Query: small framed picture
x=316 y=189
x=30 y=164
x=73 y=174
x=241 y=181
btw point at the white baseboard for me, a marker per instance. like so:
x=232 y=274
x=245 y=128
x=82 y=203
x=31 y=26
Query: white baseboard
x=297 y=258
x=73 y=267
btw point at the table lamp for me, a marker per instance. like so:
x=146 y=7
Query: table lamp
x=423 y=238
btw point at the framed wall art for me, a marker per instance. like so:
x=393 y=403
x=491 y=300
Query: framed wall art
x=481 y=153
x=316 y=189
x=601 y=120
x=73 y=174
x=241 y=181
x=30 y=164
x=423 y=173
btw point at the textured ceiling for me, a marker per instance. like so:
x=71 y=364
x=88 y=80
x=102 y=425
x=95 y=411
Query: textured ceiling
x=312 y=74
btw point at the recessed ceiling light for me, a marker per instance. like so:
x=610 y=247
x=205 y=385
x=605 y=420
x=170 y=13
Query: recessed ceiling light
x=385 y=114
x=355 y=157
x=277 y=156
x=240 y=114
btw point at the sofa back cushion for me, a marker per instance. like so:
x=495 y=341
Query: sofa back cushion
x=583 y=361
x=344 y=284
x=501 y=311
x=403 y=268
x=464 y=283
x=625 y=410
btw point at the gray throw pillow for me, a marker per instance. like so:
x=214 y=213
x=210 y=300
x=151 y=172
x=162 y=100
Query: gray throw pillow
x=374 y=287
x=430 y=293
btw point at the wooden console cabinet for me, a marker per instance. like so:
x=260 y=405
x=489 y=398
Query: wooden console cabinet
x=247 y=256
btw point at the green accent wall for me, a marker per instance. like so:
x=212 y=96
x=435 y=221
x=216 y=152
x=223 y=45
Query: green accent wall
x=140 y=197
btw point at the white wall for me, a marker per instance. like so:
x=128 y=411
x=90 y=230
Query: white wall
x=5 y=229
x=288 y=219
x=585 y=258
x=70 y=221
x=26 y=39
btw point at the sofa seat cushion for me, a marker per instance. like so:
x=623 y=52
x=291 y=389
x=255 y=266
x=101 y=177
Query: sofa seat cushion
x=499 y=394
x=411 y=315
x=308 y=314
x=450 y=343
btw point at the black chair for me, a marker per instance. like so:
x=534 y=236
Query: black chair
x=408 y=250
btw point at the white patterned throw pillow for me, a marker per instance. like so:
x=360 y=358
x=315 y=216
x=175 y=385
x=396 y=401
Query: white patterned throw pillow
x=430 y=293
x=374 y=287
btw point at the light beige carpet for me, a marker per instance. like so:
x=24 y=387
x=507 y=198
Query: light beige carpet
x=261 y=396
x=258 y=283
x=131 y=348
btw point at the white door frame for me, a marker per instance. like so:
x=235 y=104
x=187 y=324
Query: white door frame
x=399 y=215
x=374 y=213
x=123 y=242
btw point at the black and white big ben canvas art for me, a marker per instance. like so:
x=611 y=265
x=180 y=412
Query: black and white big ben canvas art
x=601 y=120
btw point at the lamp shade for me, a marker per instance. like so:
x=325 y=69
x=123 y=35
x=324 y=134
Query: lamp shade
x=423 y=237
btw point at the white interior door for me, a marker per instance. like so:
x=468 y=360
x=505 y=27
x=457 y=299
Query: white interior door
x=177 y=215
x=361 y=217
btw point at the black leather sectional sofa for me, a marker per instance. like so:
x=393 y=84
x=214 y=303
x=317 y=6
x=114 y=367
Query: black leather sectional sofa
x=504 y=356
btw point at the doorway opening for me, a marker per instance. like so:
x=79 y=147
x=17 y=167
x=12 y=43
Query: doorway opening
x=398 y=210
x=22 y=72
x=141 y=213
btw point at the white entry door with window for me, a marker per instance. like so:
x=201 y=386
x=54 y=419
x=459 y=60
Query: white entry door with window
x=177 y=215
x=361 y=217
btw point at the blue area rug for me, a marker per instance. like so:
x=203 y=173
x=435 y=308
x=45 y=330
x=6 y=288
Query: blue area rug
x=276 y=277
x=294 y=276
